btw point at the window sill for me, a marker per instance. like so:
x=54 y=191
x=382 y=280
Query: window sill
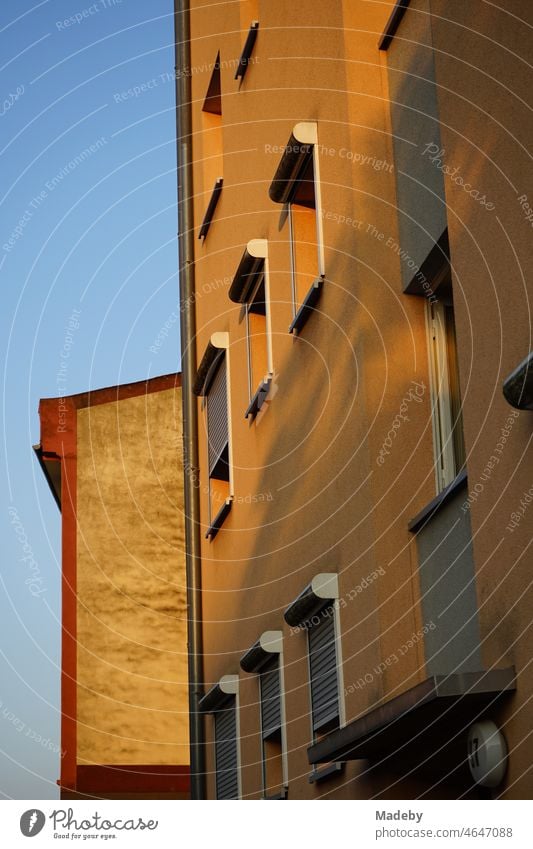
x=326 y=772
x=211 y=206
x=308 y=305
x=427 y=512
x=219 y=520
x=258 y=399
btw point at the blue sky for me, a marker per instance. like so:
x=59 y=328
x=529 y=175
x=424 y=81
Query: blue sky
x=87 y=222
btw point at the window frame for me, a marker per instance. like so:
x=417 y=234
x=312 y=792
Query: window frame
x=277 y=659
x=258 y=389
x=321 y=593
x=268 y=649
x=216 y=351
x=212 y=515
x=252 y=388
x=213 y=702
x=243 y=290
x=212 y=163
x=303 y=142
x=317 y=733
x=226 y=690
x=319 y=232
x=446 y=463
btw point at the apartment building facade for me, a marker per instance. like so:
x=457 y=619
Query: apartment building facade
x=113 y=460
x=356 y=341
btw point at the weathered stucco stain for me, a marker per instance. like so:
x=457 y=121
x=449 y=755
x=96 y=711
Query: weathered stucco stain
x=131 y=604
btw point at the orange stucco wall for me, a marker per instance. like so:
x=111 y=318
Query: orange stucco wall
x=309 y=494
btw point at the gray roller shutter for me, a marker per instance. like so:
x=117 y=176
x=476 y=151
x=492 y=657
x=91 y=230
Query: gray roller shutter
x=323 y=671
x=227 y=780
x=217 y=417
x=270 y=701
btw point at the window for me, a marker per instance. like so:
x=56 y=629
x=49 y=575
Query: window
x=303 y=235
x=316 y=610
x=264 y=658
x=250 y=288
x=212 y=383
x=226 y=751
x=256 y=335
x=446 y=395
x=222 y=703
x=323 y=671
x=211 y=138
x=296 y=184
x=218 y=440
x=271 y=728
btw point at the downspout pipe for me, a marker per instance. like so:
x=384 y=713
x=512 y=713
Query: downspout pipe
x=190 y=410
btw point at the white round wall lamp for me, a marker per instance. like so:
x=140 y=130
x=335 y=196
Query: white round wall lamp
x=487 y=753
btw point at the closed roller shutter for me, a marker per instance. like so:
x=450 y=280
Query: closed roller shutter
x=227 y=780
x=270 y=701
x=323 y=671
x=217 y=421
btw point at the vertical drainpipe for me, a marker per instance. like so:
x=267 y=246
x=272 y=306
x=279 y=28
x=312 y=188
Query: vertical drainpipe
x=190 y=410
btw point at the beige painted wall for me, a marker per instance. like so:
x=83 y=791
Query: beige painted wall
x=132 y=652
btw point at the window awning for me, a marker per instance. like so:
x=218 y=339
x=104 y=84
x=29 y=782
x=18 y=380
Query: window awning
x=294 y=162
x=316 y=595
x=223 y=690
x=518 y=387
x=428 y=715
x=207 y=368
x=250 y=266
x=269 y=643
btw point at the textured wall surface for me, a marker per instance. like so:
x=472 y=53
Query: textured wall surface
x=132 y=652
x=309 y=495
x=313 y=491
